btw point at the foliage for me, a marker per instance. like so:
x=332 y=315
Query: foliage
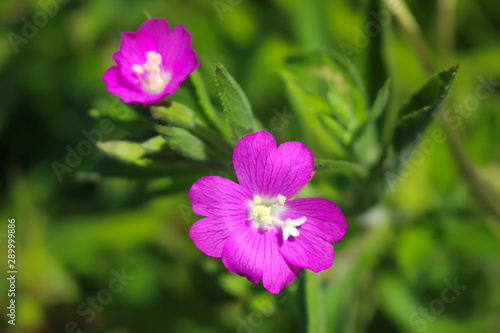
x=405 y=140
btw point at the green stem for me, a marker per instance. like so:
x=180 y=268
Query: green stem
x=216 y=141
x=311 y=303
x=410 y=28
x=301 y=299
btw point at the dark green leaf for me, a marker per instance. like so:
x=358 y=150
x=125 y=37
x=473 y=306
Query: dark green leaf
x=376 y=71
x=204 y=100
x=422 y=109
x=235 y=103
x=342 y=167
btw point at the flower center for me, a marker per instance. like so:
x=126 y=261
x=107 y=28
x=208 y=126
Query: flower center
x=266 y=216
x=150 y=74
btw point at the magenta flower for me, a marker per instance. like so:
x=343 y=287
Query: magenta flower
x=152 y=63
x=260 y=232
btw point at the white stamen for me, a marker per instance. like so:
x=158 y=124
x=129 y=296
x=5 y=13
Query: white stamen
x=150 y=74
x=264 y=217
x=138 y=69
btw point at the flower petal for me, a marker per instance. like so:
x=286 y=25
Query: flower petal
x=118 y=85
x=307 y=250
x=268 y=171
x=177 y=53
x=215 y=196
x=210 y=234
x=133 y=49
x=253 y=253
x=178 y=58
x=159 y=30
x=323 y=217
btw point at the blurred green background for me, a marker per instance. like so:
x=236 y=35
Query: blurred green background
x=438 y=226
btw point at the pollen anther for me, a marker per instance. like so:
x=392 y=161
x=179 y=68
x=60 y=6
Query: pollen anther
x=281 y=200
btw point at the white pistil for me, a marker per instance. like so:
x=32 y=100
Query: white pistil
x=150 y=74
x=263 y=214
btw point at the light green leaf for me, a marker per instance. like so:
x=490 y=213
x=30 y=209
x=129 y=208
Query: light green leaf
x=154 y=145
x=125 y=151
x=235 y=103
x=184 y=142
x=176 y=114
x=325 y=73
x=313 y=110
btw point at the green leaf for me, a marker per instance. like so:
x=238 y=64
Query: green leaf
x=379 y=105
x=342 y=167
x=235 y=103
x=204 y=100
x=133 y=152
x=326 y=92
x=176 y=114
x=184 y=142
x=125 y=151
x=380 y=102
x=154 y=145
x=419 y=113
x=120 y=113
x=313 y=110
x=376 y=71
x=116 y=110
x=324 y=73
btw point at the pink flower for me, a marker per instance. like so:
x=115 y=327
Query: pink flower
x=151 y=63
x=260 y=232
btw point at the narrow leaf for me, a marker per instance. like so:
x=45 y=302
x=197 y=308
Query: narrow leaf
x=235 y=103
x=204 y=100
x=379 y=105
x=422 y=109
x=376 y=71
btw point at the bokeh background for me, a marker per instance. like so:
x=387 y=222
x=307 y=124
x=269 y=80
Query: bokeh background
x=438 y=226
